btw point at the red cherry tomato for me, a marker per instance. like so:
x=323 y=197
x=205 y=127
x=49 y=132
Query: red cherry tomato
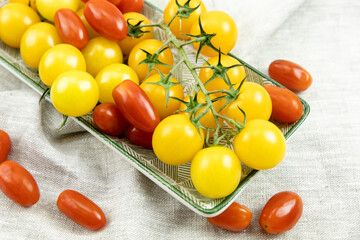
x=235 y=218
x=281 y=212
x=5 y=145
x=81 y=210
x=109 y=120
x=106 y=19
x=115 y=2
x=140 y=138
x=136 y=106
x=131 y=6
x=290 y=75
x=70 y=28
x=286 y=106
x=18 y=184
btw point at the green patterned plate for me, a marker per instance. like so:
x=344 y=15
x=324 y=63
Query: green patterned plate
x=173 y=179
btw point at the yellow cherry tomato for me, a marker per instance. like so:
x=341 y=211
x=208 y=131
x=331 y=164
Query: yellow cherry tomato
x=215 y=172
x=15 y=19
x=157 y=95
x=59 y=59
x=178 y=27
x=128 y=43
x=91 y=32
x=109 y=77
x=33 y=5
x=36 y=41
x=26 y=2
x=260 y=145
x=48 y=8
x=99 y=53
x=151 y=46
x=74 y=93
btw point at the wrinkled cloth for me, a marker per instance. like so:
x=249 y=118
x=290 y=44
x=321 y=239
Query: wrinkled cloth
x=321 y=164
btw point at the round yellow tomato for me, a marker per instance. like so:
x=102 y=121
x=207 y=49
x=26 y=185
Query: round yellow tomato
x=225 y=28
x=176 y=140
x=128 y=43
x=254 y=100
x=260 y=145
x=74 y=93
x=26 y=2
x=99 y=53
x=109 y=77
x=36 y=41
x=48 y=8
x=179 y=27
x=59 y=59
x=15 y=19
x=151 y=46
x=91 y=32
x=215 y=171
x=157 y=95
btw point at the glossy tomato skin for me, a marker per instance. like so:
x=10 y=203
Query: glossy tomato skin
x=140 y=138
x=115 y=2
x=290 y=74
x=70 y=28
x=109 y=120
x=48 y=8
x=91 y=32
x=286 y=106
x=281 y=212
x=106 y=19
x=18 y=184
x=235 y=218
x=131 y=6
x=5 y=145
x=81 y=210
x=136 y=106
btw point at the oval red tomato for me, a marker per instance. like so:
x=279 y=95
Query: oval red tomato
x=115 y=2
x=109 y=120
x=131 y=6
x=235 y=218
x=140 y=138
x=5 y=145
x=18 y=184
x=136 y=106
x=290 y=74
x=106 y=19
x=81 y=210
x=281 y=212
x=286 y=106
x=70 y=28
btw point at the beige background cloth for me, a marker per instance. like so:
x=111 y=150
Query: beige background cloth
x=322 y=161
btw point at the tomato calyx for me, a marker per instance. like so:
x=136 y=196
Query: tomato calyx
x=135 y=30
x=185 y=10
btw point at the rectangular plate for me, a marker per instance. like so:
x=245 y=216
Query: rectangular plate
x=173 y=179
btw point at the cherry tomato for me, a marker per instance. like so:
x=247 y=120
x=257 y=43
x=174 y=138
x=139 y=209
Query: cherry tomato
x=177 y=27
x=91 y=32
x=5 y=145
x=253 y=100
x=235 y=218
x=59 y=59
x=99 y=53
x=290 y=74
x=109 y=120
x=18 y=184
x=15 y=19
x=281 y=212
x=36 y=41
x=157 y=95
x=131 y=6
x=70 y=28
x=135 y=106
x=128 y=43
x=48 y=8
x=140 y=138
x=74 y=87
x=267 y=140
x=286 y=106
x=176 y=140
x=236 y=74
x=137 y=55
x=109 y=77
x=106 y=19
x=225 y=28
x=215 y=171
x=81 y=210
x=115 y=2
